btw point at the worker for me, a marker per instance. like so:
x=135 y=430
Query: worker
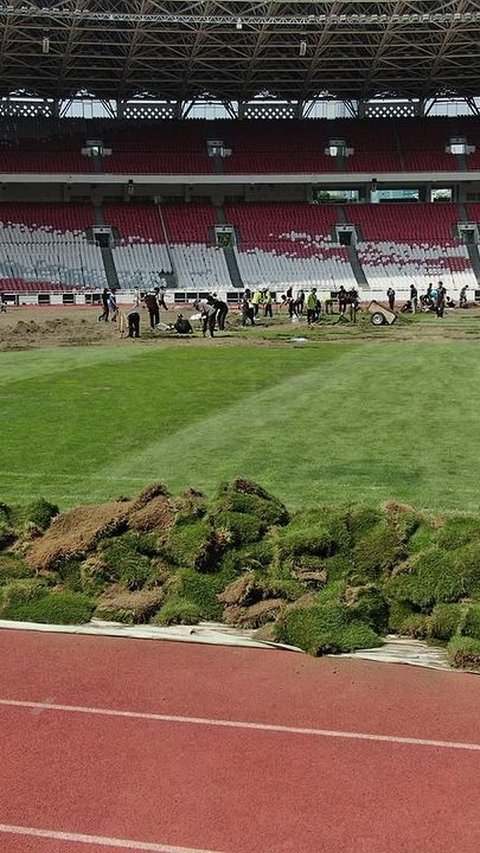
x=151 y=304
x=183 y=326
x=312 y=306
x=129 y=318
x=267 y=303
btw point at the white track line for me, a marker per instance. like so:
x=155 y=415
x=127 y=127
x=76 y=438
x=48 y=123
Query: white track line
x=239 y=724
x=99 y=840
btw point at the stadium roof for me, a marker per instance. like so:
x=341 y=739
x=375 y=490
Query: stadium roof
x=237 y=49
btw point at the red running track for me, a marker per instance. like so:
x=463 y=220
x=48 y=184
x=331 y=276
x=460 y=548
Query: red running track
x=92 y=755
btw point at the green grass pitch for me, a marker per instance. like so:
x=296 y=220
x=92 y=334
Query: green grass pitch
x=314 y=424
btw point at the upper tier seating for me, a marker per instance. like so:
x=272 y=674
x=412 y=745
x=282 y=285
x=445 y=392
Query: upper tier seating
x=164 y=148
x=269 y=146
x=47 y=244
x=61 y=153
x=473 y=212
x=150 y=163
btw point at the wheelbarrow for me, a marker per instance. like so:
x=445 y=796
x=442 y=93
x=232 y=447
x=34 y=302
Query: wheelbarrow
x=381 y=316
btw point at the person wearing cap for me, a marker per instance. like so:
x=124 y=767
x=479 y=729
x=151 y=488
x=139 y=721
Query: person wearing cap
x=151 y=304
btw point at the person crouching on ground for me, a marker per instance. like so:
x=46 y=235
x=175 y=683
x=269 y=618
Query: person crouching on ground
x=129 y=318
x=221 y=308
x=183 y=326
x=208 y=313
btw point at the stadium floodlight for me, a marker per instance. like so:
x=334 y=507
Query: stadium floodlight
x=302 y=49
x=239 y=25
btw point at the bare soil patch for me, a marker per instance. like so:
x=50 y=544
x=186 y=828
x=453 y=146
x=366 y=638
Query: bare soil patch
x=28 y=328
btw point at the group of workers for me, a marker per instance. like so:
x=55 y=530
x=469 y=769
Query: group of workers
x=212 y=311
x=129 y=318
x=434 y=299
x=310 y=303
x=297 y=305
x=252 y=301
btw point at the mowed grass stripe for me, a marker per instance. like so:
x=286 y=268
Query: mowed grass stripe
x=395 y=422
x=30 y=364
x=320 y=424
x=94 y=415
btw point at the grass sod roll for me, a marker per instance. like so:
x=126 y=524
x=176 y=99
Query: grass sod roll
x=319 y=580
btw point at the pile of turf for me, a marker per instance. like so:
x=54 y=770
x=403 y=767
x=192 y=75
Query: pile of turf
x=329 y=579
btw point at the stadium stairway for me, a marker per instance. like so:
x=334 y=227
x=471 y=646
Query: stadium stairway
x=172 y=277
x=107 y=255
x=229 y=253
x=471 y=247
x=357 y=268
x=110 y=268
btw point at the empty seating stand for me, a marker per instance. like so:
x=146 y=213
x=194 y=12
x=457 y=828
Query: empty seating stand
x=411 y=243
x=47 y=243
x=142 y=254
x=257 y=146
x=283 y=245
